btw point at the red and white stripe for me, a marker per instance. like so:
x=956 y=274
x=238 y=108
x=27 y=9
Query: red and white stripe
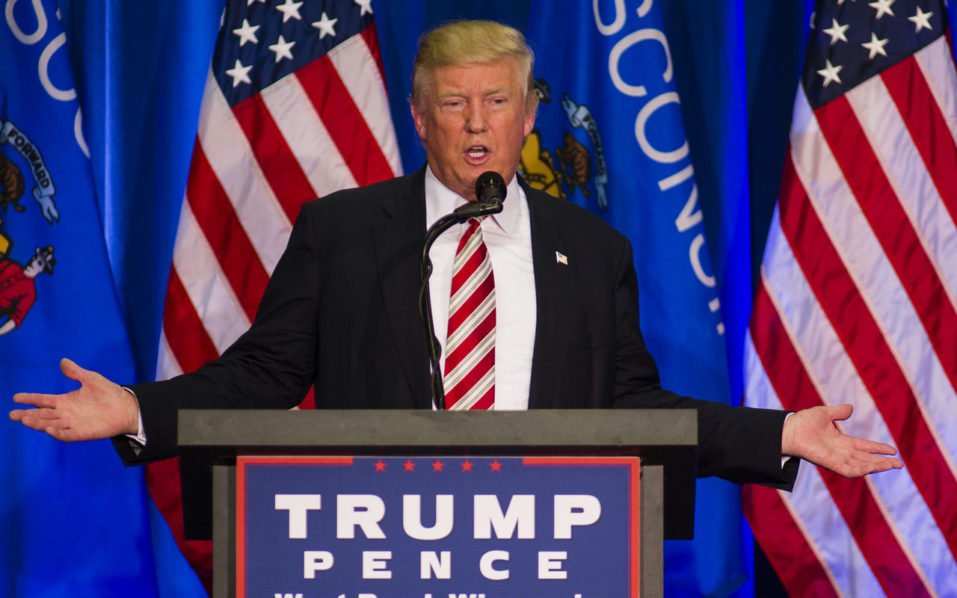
x=470 y=363
x=324 y=128
x=857 y=304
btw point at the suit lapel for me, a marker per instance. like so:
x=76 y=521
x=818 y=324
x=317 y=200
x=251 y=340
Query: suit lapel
x=399 y=235
x=552 y=280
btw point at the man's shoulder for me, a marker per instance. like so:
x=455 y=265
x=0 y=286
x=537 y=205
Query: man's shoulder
x=356 y=200
x=571 y=216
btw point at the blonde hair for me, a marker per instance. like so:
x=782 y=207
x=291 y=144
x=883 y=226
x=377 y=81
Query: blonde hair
x=463 y=43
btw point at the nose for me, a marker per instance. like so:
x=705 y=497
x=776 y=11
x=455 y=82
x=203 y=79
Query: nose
x=475 y=120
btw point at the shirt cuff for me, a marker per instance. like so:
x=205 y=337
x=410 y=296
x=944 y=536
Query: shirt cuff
x=784 y=458
x=138 y=440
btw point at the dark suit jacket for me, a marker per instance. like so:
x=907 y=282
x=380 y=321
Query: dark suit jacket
x=340 y=312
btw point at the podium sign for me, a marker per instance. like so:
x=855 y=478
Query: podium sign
x=425 y=527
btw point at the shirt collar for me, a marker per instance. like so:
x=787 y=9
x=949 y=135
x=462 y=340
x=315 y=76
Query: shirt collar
x=440 y=200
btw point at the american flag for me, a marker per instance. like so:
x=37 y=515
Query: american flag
x=857 y=303
x=295 y=107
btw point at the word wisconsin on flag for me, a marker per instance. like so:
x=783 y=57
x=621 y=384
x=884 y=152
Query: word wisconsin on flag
x=857 y=303
x=295 y=108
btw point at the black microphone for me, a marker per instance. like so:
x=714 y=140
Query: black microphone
x=490 y=186
x=490 y=192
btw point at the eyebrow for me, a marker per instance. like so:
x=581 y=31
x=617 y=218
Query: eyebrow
x=461 y=93
x=450 y=94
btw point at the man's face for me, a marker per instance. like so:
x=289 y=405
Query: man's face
x=473 y=120
x=33 y=268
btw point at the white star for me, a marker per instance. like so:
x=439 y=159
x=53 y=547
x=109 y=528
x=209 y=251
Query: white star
x=837 y=32
x=290 y=10
x=246 y=33
x=282 y=49
x=921 y=20
x=239 y=73
x=876 y=46
x=250 y=2
x=326 y=26
x=883 y=7
x=365 y=5
x=830 y=73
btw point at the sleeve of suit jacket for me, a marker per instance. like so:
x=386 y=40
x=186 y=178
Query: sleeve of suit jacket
x=739 y=444
x=593 y=354
x=320 y=321
x=272 y=365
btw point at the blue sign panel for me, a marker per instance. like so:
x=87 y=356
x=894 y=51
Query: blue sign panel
x=431 y=527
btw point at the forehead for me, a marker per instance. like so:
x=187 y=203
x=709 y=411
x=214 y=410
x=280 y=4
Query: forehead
x=472 y=78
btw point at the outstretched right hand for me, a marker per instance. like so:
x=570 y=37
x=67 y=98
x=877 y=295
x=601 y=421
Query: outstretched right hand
x=98 y=409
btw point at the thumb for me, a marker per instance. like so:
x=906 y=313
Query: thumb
x=840 y=412
x=71 y=370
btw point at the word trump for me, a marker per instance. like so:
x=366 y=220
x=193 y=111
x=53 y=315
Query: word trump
x=365 y=512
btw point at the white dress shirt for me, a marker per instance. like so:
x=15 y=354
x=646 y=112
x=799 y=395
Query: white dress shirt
x=508 y=238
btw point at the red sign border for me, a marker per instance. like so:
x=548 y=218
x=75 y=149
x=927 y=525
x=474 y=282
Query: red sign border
x=243 y=460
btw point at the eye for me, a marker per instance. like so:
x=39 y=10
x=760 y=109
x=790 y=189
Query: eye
x=453 y=104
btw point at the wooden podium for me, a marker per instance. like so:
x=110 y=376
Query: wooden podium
x=664 y=439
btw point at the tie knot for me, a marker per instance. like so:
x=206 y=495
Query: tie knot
x=472 y=237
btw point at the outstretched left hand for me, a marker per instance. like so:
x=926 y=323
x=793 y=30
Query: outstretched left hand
x=811 y=434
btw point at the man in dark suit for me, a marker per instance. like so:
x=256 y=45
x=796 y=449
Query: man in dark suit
x=340 y=311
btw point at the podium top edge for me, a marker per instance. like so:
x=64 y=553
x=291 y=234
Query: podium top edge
x=606 y=429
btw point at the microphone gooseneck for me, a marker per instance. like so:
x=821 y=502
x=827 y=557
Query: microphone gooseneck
x=490 y=193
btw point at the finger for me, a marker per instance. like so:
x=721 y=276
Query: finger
x=864 y=464
x=871 y=446
x=64 y=434
x=58 y=432
x=875 y=463
x=35 y=423
x=878 y=465
x=35 y=399
x=40 y=415
x=885 y=462
x=40 y=422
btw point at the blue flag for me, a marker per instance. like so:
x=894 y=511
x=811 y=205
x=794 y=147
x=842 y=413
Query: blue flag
x=73 y=521
x=609 y=137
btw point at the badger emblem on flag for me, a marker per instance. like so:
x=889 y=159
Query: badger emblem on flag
x=11 y=185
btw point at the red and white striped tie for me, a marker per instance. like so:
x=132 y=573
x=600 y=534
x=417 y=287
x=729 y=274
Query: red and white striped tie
x=470 y=346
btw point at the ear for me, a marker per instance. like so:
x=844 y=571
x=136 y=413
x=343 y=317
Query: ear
x=529 y=122
x=419 y=119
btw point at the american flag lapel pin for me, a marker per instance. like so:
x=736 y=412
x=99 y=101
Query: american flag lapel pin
x=561 y=258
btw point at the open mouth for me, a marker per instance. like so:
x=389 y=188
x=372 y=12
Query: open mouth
x=476 y=153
